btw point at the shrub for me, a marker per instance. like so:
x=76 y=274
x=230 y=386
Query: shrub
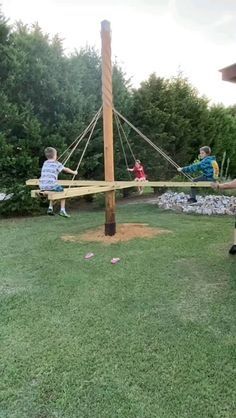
x=20 y=202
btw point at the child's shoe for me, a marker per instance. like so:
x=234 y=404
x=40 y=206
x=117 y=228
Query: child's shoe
x=88 y=256
x=50 y=212
x=64 y=214
x=192 y=200
x=43 y=196
x=115 y=260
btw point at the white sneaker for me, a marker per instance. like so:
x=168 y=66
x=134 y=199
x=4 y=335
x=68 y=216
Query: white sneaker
x=64 y=214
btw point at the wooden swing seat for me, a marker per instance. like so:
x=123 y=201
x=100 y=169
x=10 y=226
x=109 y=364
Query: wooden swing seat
x=86 y=187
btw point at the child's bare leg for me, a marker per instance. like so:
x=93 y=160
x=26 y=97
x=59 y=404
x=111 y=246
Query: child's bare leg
x=63 y=204
x=50 y=208
x=137 y=182
x=63 y=211
x=141 y=189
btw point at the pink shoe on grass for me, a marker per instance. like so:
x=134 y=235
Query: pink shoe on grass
x=88 y=256
x=115 y=260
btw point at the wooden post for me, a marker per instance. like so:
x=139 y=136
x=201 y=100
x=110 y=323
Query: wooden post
x=110 y=222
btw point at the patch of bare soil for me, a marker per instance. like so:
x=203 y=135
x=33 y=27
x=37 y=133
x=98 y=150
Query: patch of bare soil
x=124 y=232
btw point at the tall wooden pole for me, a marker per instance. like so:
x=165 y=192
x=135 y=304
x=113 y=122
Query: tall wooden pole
x=110 y=222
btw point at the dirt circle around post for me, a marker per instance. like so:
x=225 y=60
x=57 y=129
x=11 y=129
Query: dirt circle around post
x=124 y=232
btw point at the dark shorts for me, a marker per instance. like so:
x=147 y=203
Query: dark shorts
x=202 y=178
x=57 y=188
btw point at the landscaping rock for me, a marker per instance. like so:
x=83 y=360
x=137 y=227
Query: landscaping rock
x=206 y=205
x=4 y=196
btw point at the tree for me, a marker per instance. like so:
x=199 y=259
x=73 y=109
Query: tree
x=48 y=98
x=174 y=117
x=222 y=134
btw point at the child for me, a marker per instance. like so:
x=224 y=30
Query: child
x=139 y=174
x=48 y=180
x=208 y=166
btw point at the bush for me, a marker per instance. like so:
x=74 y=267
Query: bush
x=20 y=203
x=100 y=200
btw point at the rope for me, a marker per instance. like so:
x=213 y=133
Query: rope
x=97 y=115
x=169 y=159
x=122 y=145
x=86 y=145
x=79 y=138
x=126 y=138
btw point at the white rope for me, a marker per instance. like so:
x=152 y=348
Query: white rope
x=122 y=145
x=79 y=138
x=164 y=155
x=86 y=145
x=126 y=138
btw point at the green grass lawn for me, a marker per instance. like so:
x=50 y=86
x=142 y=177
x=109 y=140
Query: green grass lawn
x=153 y=336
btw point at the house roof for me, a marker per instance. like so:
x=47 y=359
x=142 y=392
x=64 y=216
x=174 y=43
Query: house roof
x=229 y=73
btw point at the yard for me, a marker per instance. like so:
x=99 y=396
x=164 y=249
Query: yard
x=151 y=336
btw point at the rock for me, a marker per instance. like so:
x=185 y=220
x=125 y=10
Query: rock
x=4 y=196
x=206 y=205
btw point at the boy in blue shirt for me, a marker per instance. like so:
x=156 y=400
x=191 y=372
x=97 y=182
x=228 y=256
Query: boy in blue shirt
x=49 y=178
x=208 y=166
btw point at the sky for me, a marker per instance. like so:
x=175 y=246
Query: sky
x=196 y=37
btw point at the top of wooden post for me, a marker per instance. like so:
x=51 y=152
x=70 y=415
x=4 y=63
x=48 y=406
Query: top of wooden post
x=106 y=26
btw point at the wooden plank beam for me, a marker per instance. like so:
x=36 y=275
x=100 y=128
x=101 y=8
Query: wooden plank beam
x=76 y=192
x=35 y=193
x=181 y=184
x=66 y=183
x=79 y=191
x=83 y=191
x=76 y=183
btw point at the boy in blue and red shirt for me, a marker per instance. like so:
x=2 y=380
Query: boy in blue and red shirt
x=208 y=166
